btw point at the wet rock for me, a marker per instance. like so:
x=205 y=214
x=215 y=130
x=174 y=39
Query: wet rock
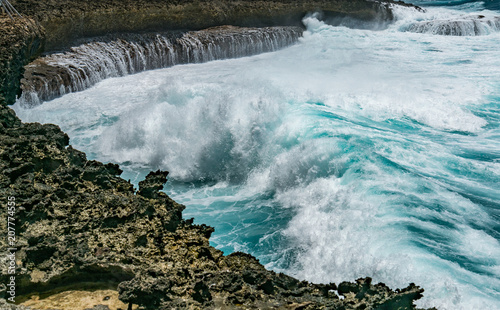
x=79 y=224
x=57 y=74
x=363 y=295
x=151 y=186
x=8 y=119
x=459 y=26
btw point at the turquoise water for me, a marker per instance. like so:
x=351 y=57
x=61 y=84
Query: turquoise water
x=460 y=4
x=352 y=153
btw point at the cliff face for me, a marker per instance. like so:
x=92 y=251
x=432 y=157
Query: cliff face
x=20 y=42
x=80 y=226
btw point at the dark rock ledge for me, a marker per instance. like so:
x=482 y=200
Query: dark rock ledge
x=78 y=224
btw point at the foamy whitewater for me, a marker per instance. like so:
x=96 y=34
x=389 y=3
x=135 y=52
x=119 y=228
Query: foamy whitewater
x=352 y=153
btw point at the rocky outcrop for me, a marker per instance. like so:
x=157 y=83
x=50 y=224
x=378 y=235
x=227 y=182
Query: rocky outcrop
x=20 y=42
x=79 y=224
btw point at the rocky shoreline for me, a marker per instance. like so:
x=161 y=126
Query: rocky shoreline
x=80 y=228
x=55 y=26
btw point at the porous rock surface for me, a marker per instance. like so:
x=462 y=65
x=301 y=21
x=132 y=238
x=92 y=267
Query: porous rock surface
x=78 y=223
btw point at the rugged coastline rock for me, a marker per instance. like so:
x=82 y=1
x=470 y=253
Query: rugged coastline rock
x=58 y=25
x=78 y=224
x=461 y=26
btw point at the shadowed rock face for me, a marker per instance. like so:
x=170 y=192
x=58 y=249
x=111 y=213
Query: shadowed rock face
x=67 y=22
x=79 y=224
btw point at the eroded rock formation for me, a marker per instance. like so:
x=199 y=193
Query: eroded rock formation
x=83 y=66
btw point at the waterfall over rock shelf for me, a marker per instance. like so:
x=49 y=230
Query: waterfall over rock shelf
x=463 y=26
x=85 y=65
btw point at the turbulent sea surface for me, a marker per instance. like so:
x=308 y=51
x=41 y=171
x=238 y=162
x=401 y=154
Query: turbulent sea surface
x=352 y=153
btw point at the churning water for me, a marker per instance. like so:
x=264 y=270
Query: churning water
x=352 y=153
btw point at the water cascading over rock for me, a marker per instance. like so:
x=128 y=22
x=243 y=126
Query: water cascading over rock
x=464 y=26
x=85 y=65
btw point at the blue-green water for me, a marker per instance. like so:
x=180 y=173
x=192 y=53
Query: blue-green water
x=460 y=4
x=352 y=153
